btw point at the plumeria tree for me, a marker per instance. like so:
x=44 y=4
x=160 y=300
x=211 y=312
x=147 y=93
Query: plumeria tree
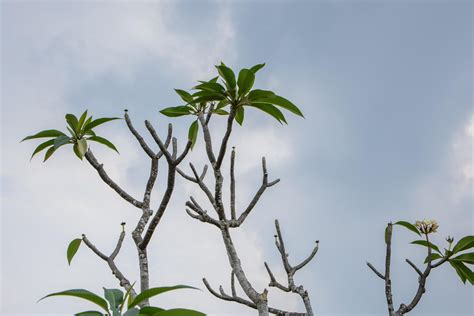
x=231 y=97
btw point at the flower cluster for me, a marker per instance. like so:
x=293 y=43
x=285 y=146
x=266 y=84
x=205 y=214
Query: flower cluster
x=427 y=226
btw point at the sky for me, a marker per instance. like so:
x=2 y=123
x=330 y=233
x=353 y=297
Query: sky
x=386 y=89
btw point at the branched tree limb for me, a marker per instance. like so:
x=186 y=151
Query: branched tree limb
x=422 y=275
x=124 y=282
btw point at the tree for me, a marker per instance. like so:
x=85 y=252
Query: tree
x=230 y=99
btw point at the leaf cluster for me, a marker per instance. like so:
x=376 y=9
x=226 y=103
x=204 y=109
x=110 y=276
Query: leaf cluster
x=115 y=302
x=231 y=94
x=457 y=256
x=81 y=130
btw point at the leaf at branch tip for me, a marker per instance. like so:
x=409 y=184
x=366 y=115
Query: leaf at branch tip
x=42 y=146
x=75 y=148
x=256 y=68
x=463 y=271
x=49 y=153
x=72 y=249
x=466 y=258
x=84 y=294
x=89 y=313
x=115 y=299
x=245 y=81
x=228 y=75
x=271 y=110
x=60 y=141
x=434 y=256
x=193 y=132
x=156 y=291
x=176 y=111
x=82 y=119
x=72 y=121
x=186 y=96
x=426 y=244
x=408 y=226
x=239 y=115
x=464 y=244
x=103 y=141
x=179 y=312
x=82 y=146
x=98 y=122
x=44 y=134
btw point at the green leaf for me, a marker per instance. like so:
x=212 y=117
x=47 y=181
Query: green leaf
x=150 y=310
x=82 y=146
x=103 y=141
x=207 y=96
x=434 y=256
x=115 y=298
x=89 y=313
x=464 y=244
x=82 y=119
x=72 y=121
x=84 y=294
x=464 y=272
x=258 y=94
x=211 y=86
x=45 y=133
x=193 y=132
x=126 y=297
x=98 y=122
x=186 y=96
x=48 y=154
x=426 y=244
x=72 y=249
x=270 y=109
x=176 y=111
x=75 y=148
x=179 y=312
x=409 y=226
x=60 y=141
x=222 y=104
x=466 y=258
x=42 y=146
x=132 y=312
x=245 y=81
x=214 y=79
x=156 y=291
x=239 y=115
x=256 y=68
x=228 y=75
x=284 y=103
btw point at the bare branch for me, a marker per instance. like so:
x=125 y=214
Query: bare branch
x=124 y=282
x=209 y=113
x=273 y=281
x=207 y=140
x=309 y=258
x=256 y=198
x=380 y=275
x=157 y=139
x=137 y=135
x=118 y=246
x=225 y=139
x=234 y=298
x=232 y=185
x=105 y=177
x=414 y=267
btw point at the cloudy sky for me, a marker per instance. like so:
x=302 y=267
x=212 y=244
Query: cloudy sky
x=386 y=88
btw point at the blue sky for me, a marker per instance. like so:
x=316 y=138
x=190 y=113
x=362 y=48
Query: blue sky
x=386 y=88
